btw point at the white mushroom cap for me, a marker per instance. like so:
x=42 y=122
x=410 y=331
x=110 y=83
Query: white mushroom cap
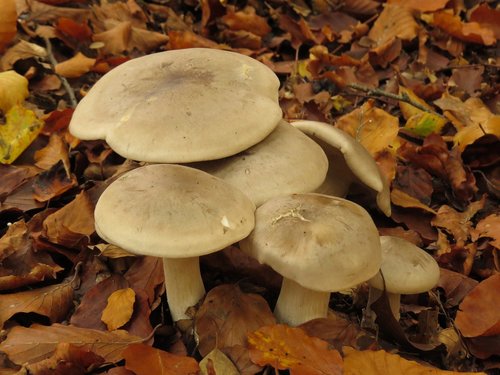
x=321 y=242
x=285 y=162
x=172 y=211
x=348 y=161
x=407 y=269
x=181 y=106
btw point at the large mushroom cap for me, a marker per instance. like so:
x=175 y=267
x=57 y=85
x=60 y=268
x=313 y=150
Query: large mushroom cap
x=407 y=269
x=172 y=211
x=348 y=159
x=321 y=242
x=181 y=106
x=285 y=162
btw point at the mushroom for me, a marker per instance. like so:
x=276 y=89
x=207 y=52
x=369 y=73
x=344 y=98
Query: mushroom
x=177 y=213
x=349 y=162
x=181 y=106
x=405 y=269
x=285 y=162
x=319 y=244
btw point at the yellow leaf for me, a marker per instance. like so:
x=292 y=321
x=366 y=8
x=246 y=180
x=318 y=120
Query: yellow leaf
x=21 y=128
x=379 y=362
x=420 y=122
x=470 y=134
x=119 y=308
x=13 y=89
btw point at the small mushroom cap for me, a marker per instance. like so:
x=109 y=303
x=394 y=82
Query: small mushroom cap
x=181 y=106
x=172 y=211
x=285 y=162
x=407 y=269
x=323 y=243
x=347 y=158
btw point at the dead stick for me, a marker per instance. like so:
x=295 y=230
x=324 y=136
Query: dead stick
x=72 y=98
x=378 y=93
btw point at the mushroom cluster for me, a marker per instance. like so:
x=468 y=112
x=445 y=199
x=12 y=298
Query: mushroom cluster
x=231 y=170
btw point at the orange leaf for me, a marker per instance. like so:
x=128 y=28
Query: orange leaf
x=284 y=347
x=466 y=31
x=68 y=27
x=382 y=363
x=421 y=5
x=487 y=16
x=119 y=309
x=247 y=20
x=145 y=360
x=76 y=66
x=394 y=22
x=478 y=314
x=8 y=23
x=488 y=227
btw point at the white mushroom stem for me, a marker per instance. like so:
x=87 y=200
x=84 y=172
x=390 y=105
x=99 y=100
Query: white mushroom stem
x=183 y=285
x=297 y=305
x=394 y=300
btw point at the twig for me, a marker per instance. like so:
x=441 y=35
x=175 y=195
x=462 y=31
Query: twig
x=72 y=98
x=378 y=93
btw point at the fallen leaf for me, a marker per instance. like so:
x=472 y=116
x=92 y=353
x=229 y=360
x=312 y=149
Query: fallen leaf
x=489 y=227
x=57 y=120
x=402 y=199
x=52 y=301
x=285 y=347
x=467 y=78
x=478 y=314
x=466 y=31
x=72 y=224
x=217 y=363
x=13 y=177
x=67 y=359
x=45 y=13
x=146 y=273
x=76 y=66
x=53 y=182
x=55 y=150
x=227 y=315
x=8 y=23
x=487 y=17
x=30 y=345
x=13 y=89
x=119 y=308
x=145 y=360
x=21 y=50
x=247 y=20
x=421 y=5
x=455 y=285
x=383 y=363
x=394 y=22
x=70 y=29
x=21 y=128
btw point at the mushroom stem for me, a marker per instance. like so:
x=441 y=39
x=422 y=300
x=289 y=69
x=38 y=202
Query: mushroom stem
x=297 y=305
x=394 y=300
x=183 y=285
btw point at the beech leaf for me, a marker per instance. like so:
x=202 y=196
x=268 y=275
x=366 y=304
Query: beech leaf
x=76 y=66
x=119 y=309
x=13 y=89
x=145 y=360
x=285 y=347
x=8 y=23
x=33 y=344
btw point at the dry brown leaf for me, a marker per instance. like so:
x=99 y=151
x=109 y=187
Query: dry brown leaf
x=52 y=301
x=373 y=127
x=76 y=66
x=227 y=315
x=119 y=309
x=115 y=39
x=44 y=13
x=56 y=150
x=383 y=363
x=67 y=359
x=470 y=134
x=33 y=344
x=285 y=347
x=13 y=177
x=52 y=183
x=487 y=17
x=466 y=31
x=478 y=314
x=119 y=11
x=421 y=5
x=145 y=360
x=488 y=227
x=246 y=20
x=402 y=199
x=8 y=23
x=455 y=285
x=147 y=274
x=73 y=223
x=394 y=22
x=217 y=363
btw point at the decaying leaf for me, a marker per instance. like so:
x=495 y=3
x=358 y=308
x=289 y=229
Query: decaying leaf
x=383 y=363
x=52 y=301
x=119 y=308
x=227 y=315
x=478 y=314
x=33 y=344
x=285 y=347
x=145 y=360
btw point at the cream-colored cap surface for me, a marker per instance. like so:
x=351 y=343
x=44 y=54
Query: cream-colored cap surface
x=347 y=158
x=285 y=162
x=181 y=106
x=407 y=269
x=172 y=211
x=322 y=242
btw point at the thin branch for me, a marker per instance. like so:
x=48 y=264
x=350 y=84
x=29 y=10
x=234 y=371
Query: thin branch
x=72 y=98
x=381 y=93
